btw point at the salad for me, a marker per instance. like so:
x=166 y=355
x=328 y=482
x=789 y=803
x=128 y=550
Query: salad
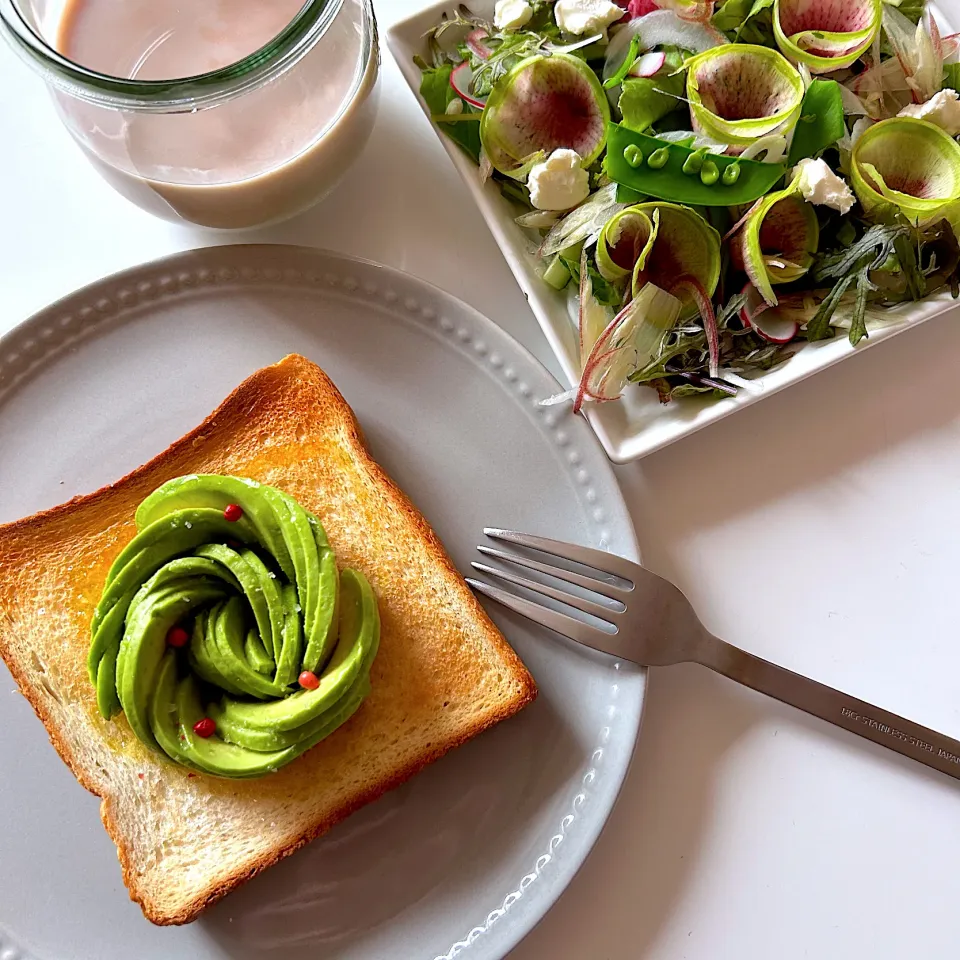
x=713 y=182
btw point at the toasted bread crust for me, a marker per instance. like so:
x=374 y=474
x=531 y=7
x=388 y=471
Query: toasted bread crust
x=293 y=380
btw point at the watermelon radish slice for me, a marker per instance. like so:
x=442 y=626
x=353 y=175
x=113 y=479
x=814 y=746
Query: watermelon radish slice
x=910 y=163
x=626 y=240
x=779 y=324
x=675 y=246
x=740 y=92
x=461 y=79
x=680 y=251
x=542 y=104
x=648 y=64
x=777 y=241
x=474 y=40
x=686 y=246
x=825 y=35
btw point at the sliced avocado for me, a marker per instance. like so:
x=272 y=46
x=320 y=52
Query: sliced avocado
x=291 y=651
x=336 y=718
x=216 y=493
x=212 y=754
x=110 y=628
x=303 y=737
x=300 y=544
x=206 y=660
x=171 y=535
x=108 y=703
x=149 y=550
x=359 y=638
x=106 y=636
x=256 y=654
x=230 y=631
x=145 y=642
x=316 y=576
x=325 y=624
x=164 y=721
x=257 y=585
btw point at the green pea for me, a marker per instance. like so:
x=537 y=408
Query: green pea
x=731 y=174
x=658 y=158
x=709 y=173
x=694 y=162
x=633 y=155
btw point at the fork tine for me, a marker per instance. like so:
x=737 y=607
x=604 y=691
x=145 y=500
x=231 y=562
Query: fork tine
x=597 y=610
x=566 y=626
x=603 y=587
x=598 y=559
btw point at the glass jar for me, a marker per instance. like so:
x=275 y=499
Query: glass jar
x=249 y=143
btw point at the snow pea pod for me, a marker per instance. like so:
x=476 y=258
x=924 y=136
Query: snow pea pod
x=669 y=181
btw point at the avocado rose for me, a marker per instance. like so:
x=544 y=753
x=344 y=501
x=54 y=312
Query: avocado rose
x=226 y=634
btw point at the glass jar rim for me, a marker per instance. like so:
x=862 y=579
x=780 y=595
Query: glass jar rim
x=183 y=94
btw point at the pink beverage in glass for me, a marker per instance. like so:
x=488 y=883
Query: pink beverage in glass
x=262 y=152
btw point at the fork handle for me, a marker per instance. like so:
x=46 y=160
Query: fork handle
x=903 y=736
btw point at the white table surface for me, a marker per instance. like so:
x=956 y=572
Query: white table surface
x=819 y=529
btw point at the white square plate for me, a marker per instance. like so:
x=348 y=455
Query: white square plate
x=638 y=424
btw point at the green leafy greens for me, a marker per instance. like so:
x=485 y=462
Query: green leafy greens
x=882 y=246
x=821 y=121
x=747 y=21
x=437 y=94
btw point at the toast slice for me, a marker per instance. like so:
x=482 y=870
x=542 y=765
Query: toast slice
x=442 y=675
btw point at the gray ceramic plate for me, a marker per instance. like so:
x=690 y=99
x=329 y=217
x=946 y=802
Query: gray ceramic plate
x=463 y=860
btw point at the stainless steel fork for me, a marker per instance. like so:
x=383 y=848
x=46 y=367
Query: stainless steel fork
x=641 y=617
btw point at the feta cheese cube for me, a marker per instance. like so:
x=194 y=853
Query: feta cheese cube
x=942 y=108
x=581 y=17
x=559 y=182
x=818 y=184
x=511 y=14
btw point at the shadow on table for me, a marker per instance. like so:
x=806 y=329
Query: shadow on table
x=408 y=847
x=648 y=854
x=819 y=432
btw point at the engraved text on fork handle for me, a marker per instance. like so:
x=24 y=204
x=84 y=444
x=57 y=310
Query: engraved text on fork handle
x=899 y=734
